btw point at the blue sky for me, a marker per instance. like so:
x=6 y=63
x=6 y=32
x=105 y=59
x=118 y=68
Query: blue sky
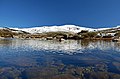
x=90 y=13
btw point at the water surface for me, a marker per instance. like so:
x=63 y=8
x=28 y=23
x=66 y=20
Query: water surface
x=69 y=59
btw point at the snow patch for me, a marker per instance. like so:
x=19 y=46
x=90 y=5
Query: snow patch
x=65 y=28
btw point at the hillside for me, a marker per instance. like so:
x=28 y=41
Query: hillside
x=64 y=28
x=65 y=31
x=10 y=33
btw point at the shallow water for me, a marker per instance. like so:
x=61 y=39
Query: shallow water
x=69 y=59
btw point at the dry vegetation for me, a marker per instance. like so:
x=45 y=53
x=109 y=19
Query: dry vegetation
x=84 y=34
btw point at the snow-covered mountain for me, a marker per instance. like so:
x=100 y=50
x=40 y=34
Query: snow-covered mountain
x=64 y=28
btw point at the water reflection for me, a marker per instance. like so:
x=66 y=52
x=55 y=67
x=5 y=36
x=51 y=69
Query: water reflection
x=65 y=46
x=69 y=59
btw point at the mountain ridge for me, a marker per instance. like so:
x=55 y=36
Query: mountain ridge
x=64 y=28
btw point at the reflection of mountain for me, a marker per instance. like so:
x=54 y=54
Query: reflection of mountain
x=68 y=46
x=5 y=42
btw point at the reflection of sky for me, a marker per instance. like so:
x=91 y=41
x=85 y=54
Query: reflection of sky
x=36 y=53
x=68 y=46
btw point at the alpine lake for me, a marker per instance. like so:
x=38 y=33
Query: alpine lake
x=50 y=59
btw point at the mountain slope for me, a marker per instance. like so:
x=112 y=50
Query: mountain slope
x=65 y=28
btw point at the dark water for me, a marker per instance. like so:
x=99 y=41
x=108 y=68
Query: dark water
x=35 y=59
